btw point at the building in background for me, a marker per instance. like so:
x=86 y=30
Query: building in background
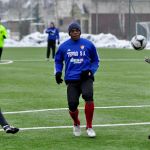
x=117 y=17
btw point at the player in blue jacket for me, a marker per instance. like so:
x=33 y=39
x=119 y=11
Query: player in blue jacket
x=53 y=35
x=81 y=62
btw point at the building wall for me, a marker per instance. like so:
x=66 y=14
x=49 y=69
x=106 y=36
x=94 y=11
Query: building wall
x=107 y=16
x=110 y=23
x=116 y=17
x=117 y=6
x=94 y=16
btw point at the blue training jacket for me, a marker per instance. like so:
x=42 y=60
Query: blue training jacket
x=53 y=33
x=78 y=56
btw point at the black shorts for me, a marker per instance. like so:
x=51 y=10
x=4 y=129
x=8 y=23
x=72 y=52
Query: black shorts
x=51 y=44
x=74 y=90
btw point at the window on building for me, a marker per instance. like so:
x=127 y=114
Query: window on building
x=61 y=22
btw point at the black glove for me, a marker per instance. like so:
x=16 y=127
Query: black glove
x=58 y=77
x=58 y=42
x=86 y=75
x=4 y=37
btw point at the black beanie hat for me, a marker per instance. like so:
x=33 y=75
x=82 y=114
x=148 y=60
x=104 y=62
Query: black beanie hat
x=74 y=25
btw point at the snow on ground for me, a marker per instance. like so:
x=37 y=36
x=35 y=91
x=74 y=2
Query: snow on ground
x=40 y=40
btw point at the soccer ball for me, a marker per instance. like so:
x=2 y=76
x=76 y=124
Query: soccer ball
x=138 y=42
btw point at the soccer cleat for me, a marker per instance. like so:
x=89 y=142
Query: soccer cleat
x=9 y=129
x=76 y=130
x=90 y=132
x=147 y=60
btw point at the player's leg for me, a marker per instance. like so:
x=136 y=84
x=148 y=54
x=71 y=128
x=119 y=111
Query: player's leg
x=3 y=121
x=73 y=94
x=1 y=50
x=87 y=94
x=48 y=50
x=53 y=49
x=6 y=126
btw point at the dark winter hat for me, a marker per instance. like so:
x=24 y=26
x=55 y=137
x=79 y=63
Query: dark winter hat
x=74 y=25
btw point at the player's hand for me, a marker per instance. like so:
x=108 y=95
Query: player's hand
x=4 y=37
x=147 y=60
x=58 y=77
x=86 y=75
x=58 y=42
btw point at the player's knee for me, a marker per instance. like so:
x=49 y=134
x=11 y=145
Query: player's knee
x=73 y=106
x=88 y=97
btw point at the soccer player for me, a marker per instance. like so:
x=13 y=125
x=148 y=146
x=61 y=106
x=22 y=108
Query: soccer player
x=3 y=35
x=81 y=63
x=7 y=128
x=53 y=35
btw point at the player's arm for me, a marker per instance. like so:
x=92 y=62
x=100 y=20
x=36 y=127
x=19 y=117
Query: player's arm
x=94 y=65
x=95 y=60
x=147 y=60
x=4 y=32
x=47 y=30
x=58 y=66
x=58 y=37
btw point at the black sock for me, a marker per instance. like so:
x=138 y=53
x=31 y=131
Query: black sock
x=3 y=121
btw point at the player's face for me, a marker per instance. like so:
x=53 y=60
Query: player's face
x=75 y=34
x=51 y=25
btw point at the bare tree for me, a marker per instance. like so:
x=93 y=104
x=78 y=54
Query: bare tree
x=96 y=13
x=56 y=12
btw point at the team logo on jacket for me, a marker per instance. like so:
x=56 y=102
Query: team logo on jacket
x=82 y=47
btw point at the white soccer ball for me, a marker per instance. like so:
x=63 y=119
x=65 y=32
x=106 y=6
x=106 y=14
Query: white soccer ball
x=138 y=42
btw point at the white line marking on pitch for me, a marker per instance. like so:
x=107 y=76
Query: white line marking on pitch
x=4 y=62
x=83 y=126
x=36 y=60
x=58 y=109
x=29 y=60
x=123 y=59
x=116 y=59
